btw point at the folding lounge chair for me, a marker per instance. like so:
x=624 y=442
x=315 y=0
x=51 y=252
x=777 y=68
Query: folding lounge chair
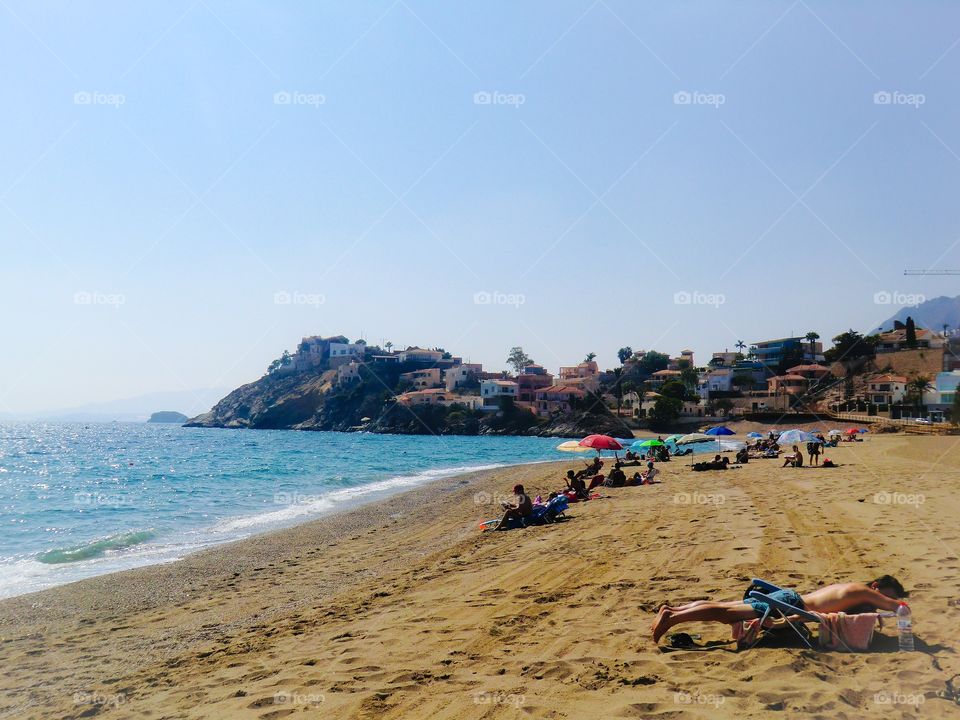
x=785 y=610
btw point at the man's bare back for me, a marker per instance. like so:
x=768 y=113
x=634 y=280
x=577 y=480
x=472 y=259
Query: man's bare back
x=843 y=596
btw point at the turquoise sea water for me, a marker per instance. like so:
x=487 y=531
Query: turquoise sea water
x=81 y=500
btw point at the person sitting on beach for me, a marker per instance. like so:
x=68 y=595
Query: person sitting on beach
x=650 y=474
x=577 y=485
x=592 y=469
x=795 y=459
x=880 y=594
x=743 y=455
x=616 y=478
x=630 y=455
x=523 y=508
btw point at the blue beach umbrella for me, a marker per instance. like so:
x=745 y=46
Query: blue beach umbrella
x=795 y=436
x=720 y=430
x=754 y=435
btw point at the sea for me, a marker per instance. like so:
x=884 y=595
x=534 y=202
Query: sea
x=78 y=500
x=84 y=499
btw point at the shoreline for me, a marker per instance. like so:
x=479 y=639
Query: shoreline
x=383 y=506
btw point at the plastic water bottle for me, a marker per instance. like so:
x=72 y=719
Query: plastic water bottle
x=905 y=627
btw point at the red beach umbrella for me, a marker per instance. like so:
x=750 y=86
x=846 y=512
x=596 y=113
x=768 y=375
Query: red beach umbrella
x=851 y=431
x=601 y=442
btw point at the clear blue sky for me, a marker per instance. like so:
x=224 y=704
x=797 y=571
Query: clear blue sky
x=148 y=158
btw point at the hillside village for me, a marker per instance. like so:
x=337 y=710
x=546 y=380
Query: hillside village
x=903 y=372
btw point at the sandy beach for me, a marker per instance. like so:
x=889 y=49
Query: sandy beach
x=404 y=609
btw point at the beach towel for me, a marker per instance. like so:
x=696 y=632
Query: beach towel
x=839 y=631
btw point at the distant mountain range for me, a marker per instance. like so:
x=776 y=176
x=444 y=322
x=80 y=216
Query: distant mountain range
x=133 y=409
x=932 y=314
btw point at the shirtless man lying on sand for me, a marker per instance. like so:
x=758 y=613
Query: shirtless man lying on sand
x=883 y=594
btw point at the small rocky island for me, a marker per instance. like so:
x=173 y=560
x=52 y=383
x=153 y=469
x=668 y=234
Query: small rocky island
x=168 y=416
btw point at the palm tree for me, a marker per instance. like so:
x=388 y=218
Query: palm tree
x=590 y=357
x=916 y=388
x=740 y=345
x=811 y=337
x=388 y=345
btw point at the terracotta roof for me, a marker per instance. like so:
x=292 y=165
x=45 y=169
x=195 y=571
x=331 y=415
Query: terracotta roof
x=667 y=372
x=888 y=378
x=561 y=389
x=803 y=368
x=788 y=377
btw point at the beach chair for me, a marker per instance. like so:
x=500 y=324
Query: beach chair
x=785 y=611
x=549 y=512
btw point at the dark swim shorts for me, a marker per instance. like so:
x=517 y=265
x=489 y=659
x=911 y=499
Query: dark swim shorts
x=792 y=597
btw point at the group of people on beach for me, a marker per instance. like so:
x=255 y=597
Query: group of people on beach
x=579 y=483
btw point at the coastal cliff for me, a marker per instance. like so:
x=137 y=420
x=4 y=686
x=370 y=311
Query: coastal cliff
x=314 y=401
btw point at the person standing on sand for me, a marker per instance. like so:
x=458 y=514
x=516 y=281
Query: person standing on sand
x=813 y=450
x=880 y=594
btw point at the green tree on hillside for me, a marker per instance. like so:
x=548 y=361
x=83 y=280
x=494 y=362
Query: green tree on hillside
x=653 y=361
x=665 y=411
x=624 y=354
x=518 y=359
x=911 y=333
x=590 y=357
x=851 y=345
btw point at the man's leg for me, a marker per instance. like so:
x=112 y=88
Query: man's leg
x=722 y=612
